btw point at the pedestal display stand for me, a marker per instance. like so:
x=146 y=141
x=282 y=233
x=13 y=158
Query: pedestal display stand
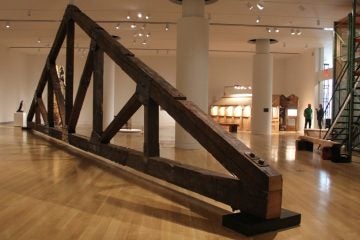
x=20 y=119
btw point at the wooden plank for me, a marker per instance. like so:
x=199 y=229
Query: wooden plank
x=220 y=187
x=37 y=117
x=69 y=78
x=132 y=105
x=151 y=129
x=38 y=93
x=42 y=109
x=81 y=93
x=98 y=94
x=55 y=82
x=50 y=104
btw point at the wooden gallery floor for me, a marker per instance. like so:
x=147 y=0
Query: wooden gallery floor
x=49 y=192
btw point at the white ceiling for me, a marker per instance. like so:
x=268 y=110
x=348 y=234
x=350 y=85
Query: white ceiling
x=232 y=23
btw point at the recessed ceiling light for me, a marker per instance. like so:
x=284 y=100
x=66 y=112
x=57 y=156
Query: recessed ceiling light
x=139 y=15
x=7 y=24
x=260 y=5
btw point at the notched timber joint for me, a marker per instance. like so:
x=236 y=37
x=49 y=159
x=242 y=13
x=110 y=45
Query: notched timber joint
x=255 y=159
x=143 y=91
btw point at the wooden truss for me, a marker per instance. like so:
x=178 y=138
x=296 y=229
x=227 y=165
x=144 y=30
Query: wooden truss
x=252 y=185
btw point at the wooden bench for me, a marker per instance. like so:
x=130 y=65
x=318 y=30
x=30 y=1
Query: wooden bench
x=232 y=126
x=330 y=150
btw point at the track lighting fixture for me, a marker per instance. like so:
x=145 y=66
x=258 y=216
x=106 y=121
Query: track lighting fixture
x=260 y=5
x=147 y=16
x=139 y=15
x=148 y=35
x=268 y=30
x=249 y=6
x=39 y=40
x=292 y=31
x=7 y=24
x=117 y=27
x=277 y=30
x=128 y=16
x=258 y=19
x=298 y=32
x=167 y=27
x=133 y=26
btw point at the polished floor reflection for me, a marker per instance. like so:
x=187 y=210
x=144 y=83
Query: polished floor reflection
x=50 y=192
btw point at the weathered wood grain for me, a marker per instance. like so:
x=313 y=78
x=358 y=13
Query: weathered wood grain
x=69 y=70
x=98 y=87
x=81 y=93
x=132 y=105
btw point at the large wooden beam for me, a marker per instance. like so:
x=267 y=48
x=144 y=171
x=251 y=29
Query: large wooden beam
x=59 y=38
x=230 y=152
x=38 y=92
x=69 y=72
x=151 y=129
x=81 y=93
x=121 y=118
x=42 y=109
x=50 y=103
x=60 y=100
x=255 y=173
x=98 y=87
x=223 y=188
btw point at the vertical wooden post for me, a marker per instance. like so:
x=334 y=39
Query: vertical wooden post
x=37 y=115
x=98 y=94
x=151 y=129
x=50 y=103
x=69 y=74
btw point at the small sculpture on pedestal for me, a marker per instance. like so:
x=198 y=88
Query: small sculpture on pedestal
x=20 y=107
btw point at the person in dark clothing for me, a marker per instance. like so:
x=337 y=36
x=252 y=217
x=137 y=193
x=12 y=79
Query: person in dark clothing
x=320 y=115
x=308 y=116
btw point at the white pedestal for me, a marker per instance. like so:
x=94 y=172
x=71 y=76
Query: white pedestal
x=20 y=119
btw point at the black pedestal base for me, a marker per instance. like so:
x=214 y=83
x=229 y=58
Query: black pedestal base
x=250 y=225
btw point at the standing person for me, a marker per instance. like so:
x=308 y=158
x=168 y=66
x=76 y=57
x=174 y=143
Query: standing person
x=320 y=115
x=308 y=115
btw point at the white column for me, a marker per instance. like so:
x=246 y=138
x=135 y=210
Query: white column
x=109 y=88
x=261 y=109
x=192 y=63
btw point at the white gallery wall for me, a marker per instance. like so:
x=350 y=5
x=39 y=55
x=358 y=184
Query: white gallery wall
x=13 y=81
x=292 y=75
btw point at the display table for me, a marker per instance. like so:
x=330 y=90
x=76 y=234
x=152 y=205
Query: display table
x=20 y=119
